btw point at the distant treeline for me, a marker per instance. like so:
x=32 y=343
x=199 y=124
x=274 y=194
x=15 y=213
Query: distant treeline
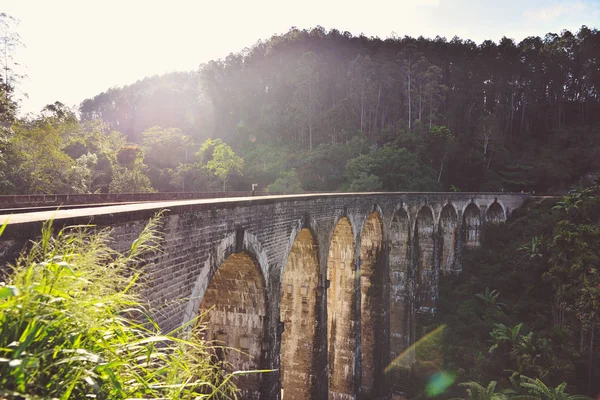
x=511 y=108
x=318 y=110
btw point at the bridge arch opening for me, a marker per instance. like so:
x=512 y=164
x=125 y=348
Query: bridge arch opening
x=299 y=291
x=472 y=226
x=495 y=213
x=341 y=272
x=371 y=291
x=425 y=249
x=399 y=260
x=448 y=227
x=234 y=305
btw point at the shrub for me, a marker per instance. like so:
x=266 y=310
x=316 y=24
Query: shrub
x=73 y=326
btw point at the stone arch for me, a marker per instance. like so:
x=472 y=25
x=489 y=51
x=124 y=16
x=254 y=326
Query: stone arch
x=217 y=256
x=448 y=226
x=471 y=226
x=399 y=260
x=341 y=272
x=371 y=291
x=298 y=313
x=425 y=249
x=234 y=308
x=495 y=213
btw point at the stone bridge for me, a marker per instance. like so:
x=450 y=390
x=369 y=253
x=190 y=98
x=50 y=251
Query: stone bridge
x=326 y=290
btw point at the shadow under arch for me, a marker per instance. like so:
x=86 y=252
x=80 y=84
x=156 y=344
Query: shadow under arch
x=399 y=304
x=371 y=291
x=471 y=226
x=298 y=313
x=234 y=316
x=425 y=251
x=341 y=270
x=448 y=227
x=495 y=213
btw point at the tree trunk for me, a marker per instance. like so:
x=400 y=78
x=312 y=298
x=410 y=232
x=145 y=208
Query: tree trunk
x=409 y=99
x=442 y=167
x=430 y=109
x=362 y=109
x=523 y=113
x=377 y=108
x=486 y=140
x=420 y=103
x=512 y=113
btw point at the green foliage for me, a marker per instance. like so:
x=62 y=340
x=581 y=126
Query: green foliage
x=130 y=155
x=551 y=282
x=164 y=150
x=365 y=183
x=490 y=298
x=287 y=182
x=221 y=160
x=477 y=392
x=489 y=117
x=10 y=41
x=524 y=388
x=42 y=166
x=82 y=173
x=127 y=180
x=264 y=163
x=190 y=178
x=538 y=390
x=73 y=326
x=396 y=169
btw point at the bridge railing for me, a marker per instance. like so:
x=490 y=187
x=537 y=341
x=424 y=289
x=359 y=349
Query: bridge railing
x=8 y=202
x=40 y=200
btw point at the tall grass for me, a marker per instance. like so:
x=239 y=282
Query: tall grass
x=73 y=326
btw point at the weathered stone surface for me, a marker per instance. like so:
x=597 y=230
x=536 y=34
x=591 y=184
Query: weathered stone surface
x=371 y=286
x=299 y=295
x=399 y=298
x=234 y=313
x=341 y=270
x=425 y=283
x=448 y=227
x=350 y=253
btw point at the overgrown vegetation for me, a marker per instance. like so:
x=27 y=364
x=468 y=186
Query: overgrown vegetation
x=525 y=307
x=73 y=326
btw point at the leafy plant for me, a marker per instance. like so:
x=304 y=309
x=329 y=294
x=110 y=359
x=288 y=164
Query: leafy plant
x=73 y=326
x=490 y=298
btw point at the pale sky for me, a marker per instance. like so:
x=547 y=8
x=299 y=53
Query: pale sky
x=76 y=49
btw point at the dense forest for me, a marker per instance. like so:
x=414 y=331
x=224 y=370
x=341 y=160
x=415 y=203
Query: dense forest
x=522 y=317
x=320 y=110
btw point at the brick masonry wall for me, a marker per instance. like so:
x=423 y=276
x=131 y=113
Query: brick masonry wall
x=199 y=235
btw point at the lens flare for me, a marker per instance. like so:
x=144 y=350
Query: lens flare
x=410 y=350
x=438 y=383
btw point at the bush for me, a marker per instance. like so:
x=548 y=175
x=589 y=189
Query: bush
x=72 y=326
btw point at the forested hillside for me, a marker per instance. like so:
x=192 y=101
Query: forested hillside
x=526 y=304
x=479 y=117
x=317 y=110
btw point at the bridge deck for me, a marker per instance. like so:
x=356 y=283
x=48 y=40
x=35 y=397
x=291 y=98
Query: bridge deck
x=96 y=209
